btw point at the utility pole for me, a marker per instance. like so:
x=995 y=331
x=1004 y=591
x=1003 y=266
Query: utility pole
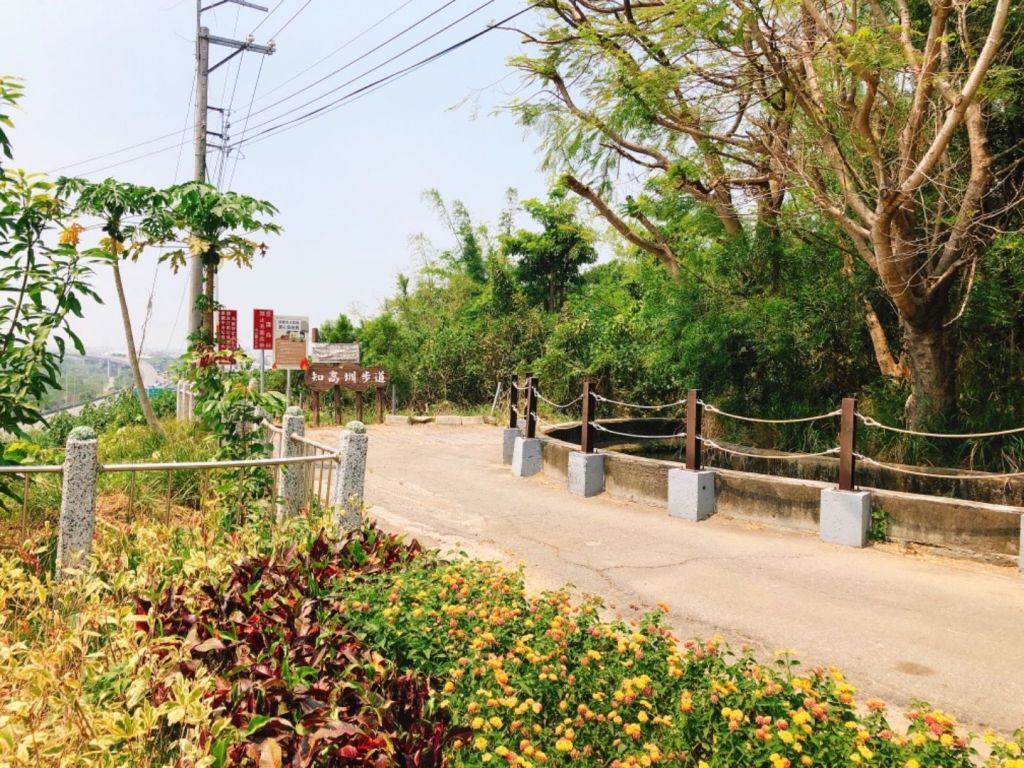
x=202 y=131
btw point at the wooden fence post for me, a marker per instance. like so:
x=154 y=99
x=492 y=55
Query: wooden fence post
x=380 y=405
x=531 y=407
x=587 y=418
x=847 y=444
x=694 y=417
x=513 y=403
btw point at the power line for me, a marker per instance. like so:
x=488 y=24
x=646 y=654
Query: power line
x=133 y=159
x=122 y=150
x=188 y=113
x=265 y=18
x=337 y=50
x=379 y=83
x=294 y=16
x=359 y=58
x=245 y=125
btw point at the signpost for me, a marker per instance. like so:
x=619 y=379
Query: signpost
x=227 y=329
x=335 y=353
x=263 y=337
x=321 y=377
x=291 y=337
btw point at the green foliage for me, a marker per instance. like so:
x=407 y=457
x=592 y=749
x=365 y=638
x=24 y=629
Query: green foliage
x=42 y=285
x=121 y=410
x=220 y=223
x=231 y=409
x=879 y=528
x=338 y=331
x=548 y=262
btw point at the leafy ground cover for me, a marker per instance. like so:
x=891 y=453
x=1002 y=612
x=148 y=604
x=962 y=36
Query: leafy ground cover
x=265 y=646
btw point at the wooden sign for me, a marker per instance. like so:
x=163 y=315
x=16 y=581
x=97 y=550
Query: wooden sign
x=291 y=336
x=262 y=329
x=227 y=329
x=321 y=377
x=335 y=353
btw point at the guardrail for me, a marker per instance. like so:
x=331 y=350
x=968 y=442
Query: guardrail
x=304 y=472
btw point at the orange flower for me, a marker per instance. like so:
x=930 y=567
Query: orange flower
x=70 y=235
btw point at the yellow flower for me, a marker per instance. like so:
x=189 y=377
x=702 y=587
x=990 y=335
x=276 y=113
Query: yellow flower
x=563 y=745
x=70 y=235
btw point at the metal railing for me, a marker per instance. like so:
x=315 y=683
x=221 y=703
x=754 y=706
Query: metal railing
x=318 y=462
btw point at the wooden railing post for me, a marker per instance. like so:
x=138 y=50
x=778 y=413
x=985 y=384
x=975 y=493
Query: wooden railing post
x=513 y=403
x=847 y=444
x=694 y=417
x=587 y=418
x=531 y=406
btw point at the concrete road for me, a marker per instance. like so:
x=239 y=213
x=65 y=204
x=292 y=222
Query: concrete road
x=901 y=626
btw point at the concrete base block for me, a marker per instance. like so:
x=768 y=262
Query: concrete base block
x=845 y=517
x=691 y=494
x=586 y=473
x=508 y=443
x=526 y=457
x=395 y=419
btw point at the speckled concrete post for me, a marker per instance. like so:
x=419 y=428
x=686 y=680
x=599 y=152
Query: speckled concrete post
x=78 y=502
x=293 y=423
x=177 y=406
x=351 y=476
x=1020 y=556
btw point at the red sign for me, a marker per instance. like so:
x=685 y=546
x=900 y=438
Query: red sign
x=263 y=329
x=227 y=329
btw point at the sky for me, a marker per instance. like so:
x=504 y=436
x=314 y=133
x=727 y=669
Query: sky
x=102 y=75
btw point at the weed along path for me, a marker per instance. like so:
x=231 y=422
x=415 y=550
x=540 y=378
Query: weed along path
x=900 y=626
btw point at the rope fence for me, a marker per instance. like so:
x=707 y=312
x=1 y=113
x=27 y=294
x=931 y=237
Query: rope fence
x=799 y=420
x=867 y=421
x=779 y=456
x=602 y=428
x=589 y=401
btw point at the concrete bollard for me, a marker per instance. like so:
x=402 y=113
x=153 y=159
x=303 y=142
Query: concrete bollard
x=691 y=494
x=293 y=423
x=527 y=457
x=78 y=502
x=845 y=517
x=586 y=473
x=350 y=480
x=508 y=443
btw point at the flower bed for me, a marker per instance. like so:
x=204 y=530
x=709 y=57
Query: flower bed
x=189 y=646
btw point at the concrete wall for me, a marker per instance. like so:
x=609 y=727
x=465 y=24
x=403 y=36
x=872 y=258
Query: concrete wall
x=960 y=528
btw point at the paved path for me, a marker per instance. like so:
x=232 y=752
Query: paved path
x=900 y=626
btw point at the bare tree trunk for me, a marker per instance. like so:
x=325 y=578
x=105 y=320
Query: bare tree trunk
x=133 y=357
x=932 y=401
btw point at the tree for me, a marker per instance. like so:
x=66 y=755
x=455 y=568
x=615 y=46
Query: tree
x=874 y=114
x=472 y=242
x=891 y=141
x=117 y=205
x=42 y=285
x=221 y=225
x=338 y=331
x=549 y=262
